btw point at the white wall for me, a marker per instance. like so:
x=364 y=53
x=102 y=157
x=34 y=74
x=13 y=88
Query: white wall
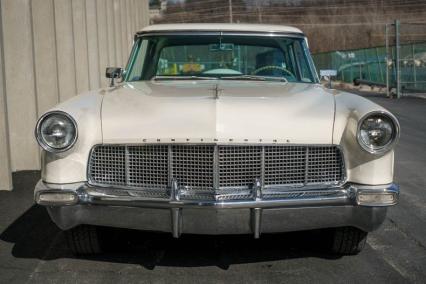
x=5 y=175
x=51 y=50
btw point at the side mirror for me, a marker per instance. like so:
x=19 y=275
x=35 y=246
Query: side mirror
x=113 y=73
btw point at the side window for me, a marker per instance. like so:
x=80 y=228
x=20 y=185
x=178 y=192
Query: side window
x=305 y=72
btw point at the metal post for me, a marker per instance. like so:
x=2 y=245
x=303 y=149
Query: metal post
x=231 y=20
x=414 y=65
x=397 y=63
x=387 y=59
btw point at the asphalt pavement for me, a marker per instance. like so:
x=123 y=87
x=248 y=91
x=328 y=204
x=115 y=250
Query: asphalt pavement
x=33 y=249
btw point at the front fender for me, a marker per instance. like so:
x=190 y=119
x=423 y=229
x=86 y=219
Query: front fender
x=362 y=167
x=71 y=166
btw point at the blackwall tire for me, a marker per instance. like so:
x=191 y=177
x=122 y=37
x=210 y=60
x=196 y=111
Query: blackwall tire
x=83 y=239
x=348 y=240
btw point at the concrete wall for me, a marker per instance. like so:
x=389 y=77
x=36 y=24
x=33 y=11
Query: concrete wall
x=51 y=50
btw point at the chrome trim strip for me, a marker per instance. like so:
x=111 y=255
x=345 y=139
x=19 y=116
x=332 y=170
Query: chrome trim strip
x=219 y=33
x=126 y=163
x=216 y=167
x=199 y=142
x=307 y=165
x=257 y=189
x=262 y=169
x=170 y=165
x=174 y=192
x=340 y=198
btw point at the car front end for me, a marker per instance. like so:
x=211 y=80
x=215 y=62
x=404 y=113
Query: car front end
x=189 y=148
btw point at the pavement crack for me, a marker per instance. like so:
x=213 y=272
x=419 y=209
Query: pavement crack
x=408 y=236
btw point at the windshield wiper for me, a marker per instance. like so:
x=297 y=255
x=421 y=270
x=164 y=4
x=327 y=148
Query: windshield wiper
x=255 y=78
x=183 y=78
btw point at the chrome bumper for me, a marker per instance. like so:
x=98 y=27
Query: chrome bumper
x=70 y=205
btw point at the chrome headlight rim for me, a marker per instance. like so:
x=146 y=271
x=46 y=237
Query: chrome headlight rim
x=39 y=136
x=395 y=136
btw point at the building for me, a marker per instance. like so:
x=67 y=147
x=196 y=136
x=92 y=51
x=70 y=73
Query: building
x=51 y=50
x=156 y=10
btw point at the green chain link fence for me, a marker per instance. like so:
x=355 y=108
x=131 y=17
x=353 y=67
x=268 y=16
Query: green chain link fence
x=370 y=64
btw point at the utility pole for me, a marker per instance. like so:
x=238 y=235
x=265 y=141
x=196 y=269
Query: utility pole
x=397 y=63
x=231 y=20
x=388 y=58
x=259 y=11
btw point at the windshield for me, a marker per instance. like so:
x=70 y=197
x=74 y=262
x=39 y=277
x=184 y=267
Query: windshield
x=220 y=56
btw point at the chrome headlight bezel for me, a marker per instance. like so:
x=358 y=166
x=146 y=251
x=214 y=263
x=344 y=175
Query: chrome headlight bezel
x=39 y=135
x=395 y=134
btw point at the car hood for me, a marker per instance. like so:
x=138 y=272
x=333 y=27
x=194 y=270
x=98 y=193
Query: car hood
x=241 y=112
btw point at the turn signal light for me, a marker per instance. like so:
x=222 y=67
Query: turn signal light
x=56 y=198
x=377 y=198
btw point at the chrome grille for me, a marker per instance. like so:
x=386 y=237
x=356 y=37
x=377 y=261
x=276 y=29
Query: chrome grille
x=285 y=165
x=192 y=165
x=108 y=165
x=147 y=166
x=207 y=167
x=239 y=166
x=324 y=165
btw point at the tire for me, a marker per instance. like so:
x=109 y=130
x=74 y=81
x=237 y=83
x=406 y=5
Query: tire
x=83 y=240
x=348 y=240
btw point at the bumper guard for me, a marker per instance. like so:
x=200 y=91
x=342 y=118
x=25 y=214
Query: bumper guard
x=73 y=204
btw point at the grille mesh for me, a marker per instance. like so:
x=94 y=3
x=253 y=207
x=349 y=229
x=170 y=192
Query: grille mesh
x=239 y=166
x=194 y=166
x=147 y=166
x=107 y=165
x=285 y=165
x=324 y=165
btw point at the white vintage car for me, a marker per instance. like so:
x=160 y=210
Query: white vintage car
x=217 y=129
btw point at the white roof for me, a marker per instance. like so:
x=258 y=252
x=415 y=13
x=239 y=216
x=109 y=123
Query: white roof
x=222 y=27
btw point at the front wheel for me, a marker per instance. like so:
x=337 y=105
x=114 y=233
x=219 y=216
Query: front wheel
x=348 y=240
x=83 y=240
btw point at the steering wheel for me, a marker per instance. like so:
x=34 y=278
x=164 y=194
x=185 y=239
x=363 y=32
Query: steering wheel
x=267 y=67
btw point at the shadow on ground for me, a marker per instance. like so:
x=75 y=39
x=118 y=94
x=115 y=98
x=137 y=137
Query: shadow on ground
x=35 y=236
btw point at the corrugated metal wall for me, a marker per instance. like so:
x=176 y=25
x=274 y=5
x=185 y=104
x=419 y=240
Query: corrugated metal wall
x=51 y=50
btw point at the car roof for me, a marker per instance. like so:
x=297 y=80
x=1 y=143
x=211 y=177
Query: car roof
x=221 y=27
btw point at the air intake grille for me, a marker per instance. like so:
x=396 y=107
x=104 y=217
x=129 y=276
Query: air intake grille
x=147 y=166
x=108 y=165
x=193 y=165
x=239 y=166
x=285 y=165
x=208 y=167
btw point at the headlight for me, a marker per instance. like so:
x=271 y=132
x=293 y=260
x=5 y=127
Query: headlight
x=378 y=132
x=56 y=131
